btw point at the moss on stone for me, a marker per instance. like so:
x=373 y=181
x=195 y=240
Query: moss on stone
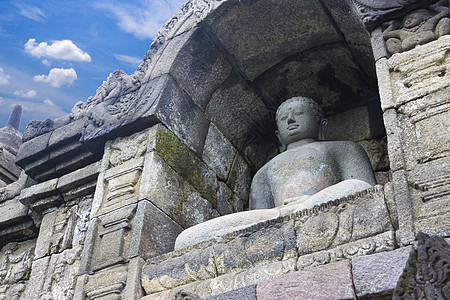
x=185 y=163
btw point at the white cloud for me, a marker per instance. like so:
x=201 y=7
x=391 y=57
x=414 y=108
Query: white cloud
x=143 y=19
x=4 y=78
x=130 y=60
x=46 y=62
x=49 y=102
x=58 y=77
x=64 y=50
x=26 y=94
x=30 y=12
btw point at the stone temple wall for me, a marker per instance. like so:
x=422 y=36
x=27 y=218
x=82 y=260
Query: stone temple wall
x=106 y=190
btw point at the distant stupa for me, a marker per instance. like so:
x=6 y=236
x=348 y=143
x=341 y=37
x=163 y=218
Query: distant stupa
x=10 y=141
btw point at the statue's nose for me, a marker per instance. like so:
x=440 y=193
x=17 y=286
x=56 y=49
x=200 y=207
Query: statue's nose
x=290 y=119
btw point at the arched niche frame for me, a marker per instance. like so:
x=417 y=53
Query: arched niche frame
x=218 y=70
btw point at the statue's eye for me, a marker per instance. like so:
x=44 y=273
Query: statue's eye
x=284 y=118
x=298 y=113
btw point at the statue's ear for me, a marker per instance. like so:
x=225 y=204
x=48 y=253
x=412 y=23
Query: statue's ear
x=323 y=129
x=283 y=146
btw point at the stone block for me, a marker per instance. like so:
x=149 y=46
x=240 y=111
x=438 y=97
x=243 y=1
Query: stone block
x=133 y=289
x=41 y=196
x=248 y=293
x=114 y=229
x=240 y=179
x=186 y=164
x=79 y=177
x=181 y=115
x=227 y=201
x=376 y=275
x=243 y=109
x=218 y=153
x=67 y=133
x=352 y=125
x=12 y=211
x=376 y=150
x=296 y=26
x=153 y=232
x=37 y=278
x=159 y=100
x=198 y=77
x=379 y=243
x=108 y=284
x=332 y=281
x=342 y=221
x=31 y=149
x=172 y=271
x=264 y=244
x=171 y=193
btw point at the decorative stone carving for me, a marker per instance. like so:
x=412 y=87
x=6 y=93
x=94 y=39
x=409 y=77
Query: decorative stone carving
x=373 y=13
x=370 y=245
x=427 y=271
x=189 y=15
x=418 y=27
x=15 y=267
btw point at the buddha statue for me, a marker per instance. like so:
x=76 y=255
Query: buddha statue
x=309 y=172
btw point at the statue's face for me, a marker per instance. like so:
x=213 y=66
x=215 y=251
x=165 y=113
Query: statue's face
x=412 y=20
x=297 y=121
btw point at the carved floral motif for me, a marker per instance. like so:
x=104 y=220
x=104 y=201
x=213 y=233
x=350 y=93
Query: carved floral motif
x=427 y=271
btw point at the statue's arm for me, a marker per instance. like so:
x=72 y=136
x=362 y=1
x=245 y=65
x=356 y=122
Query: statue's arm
x=260 y=191
x=354 y=163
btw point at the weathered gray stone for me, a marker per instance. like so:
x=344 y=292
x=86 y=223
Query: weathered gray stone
x=376 y=275
x=426 y=274
x=374 y=14
x=154 y=233
x=37 y=278
x=197 y=264
x=228 y=224
x=352 y=125
x=29 y=150
x=379 y=243
x=171 y=193
x=417 y=28
x=342 y=223
x=12 y=211
x=286 y=24
x=161 y=99
x=109 y=283
x=267 y=243
x=66 y=133
x=227 y=201
x=79 y=177
x=218 y=153
x=114 y=229
x=133 y=289
x=332 y=281
x=243 y=108
x=41 y=196
x=248 y=293
x=240 y=178
x=198 y=77
x=186 y=164
x=12 y=190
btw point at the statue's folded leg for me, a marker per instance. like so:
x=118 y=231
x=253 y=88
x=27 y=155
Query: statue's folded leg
x=342 y=189
x=222 y=225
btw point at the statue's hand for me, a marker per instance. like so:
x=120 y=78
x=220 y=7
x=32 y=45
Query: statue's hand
x=296 y=200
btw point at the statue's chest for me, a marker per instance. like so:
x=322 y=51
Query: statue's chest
x=305 y=172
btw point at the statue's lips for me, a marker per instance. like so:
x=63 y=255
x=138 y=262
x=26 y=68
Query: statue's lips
x=293 y=126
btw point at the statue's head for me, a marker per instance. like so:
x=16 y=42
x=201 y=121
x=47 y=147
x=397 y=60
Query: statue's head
x=415 y=18
x=300 y=118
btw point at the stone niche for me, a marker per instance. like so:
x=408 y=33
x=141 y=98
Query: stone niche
x=108 y=188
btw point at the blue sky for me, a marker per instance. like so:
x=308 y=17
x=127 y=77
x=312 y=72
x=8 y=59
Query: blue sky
x=55 y=53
